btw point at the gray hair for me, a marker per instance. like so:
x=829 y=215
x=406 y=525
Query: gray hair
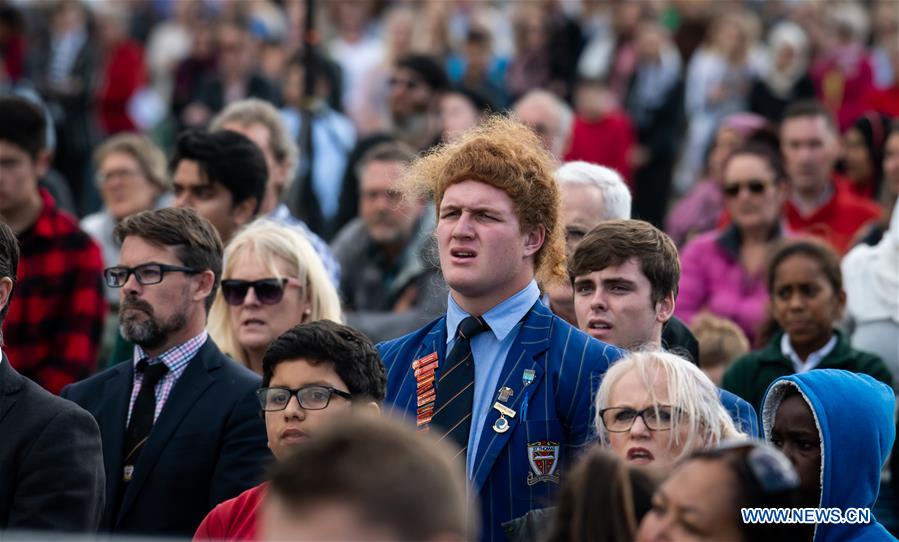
x=256 y=111
x=558 y=109
x=689 y=390
x=616 y=197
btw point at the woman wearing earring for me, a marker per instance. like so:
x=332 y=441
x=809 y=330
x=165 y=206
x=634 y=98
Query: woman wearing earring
x=272 y=280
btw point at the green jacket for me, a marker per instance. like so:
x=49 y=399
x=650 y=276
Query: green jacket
x=751 y=374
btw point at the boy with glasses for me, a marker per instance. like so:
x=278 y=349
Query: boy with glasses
x=179 y=422
x=311 y=374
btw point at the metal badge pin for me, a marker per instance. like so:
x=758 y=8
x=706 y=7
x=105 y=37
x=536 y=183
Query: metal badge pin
x=505 y=393
x=501 y=425
x=527 y=376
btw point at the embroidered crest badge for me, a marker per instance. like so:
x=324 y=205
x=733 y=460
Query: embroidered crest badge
x=543 y=457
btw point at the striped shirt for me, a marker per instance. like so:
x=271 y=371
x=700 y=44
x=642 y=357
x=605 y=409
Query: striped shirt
x=176 y=359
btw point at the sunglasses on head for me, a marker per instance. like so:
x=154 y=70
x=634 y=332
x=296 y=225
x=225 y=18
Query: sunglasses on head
x=267 y=291
x=755 y=187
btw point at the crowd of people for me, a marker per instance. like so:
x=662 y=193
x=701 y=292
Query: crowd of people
x=449 y=269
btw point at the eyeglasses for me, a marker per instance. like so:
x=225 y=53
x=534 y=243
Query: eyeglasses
x=124 y=174
x=755 y=187
x=655 y=418
x=146 y=274
x=309 y=397
x=268 y=291
x=409 y=84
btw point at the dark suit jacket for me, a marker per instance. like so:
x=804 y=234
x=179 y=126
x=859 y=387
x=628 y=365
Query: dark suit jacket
x=51 y=462
x=518 y=470
x=207 y=445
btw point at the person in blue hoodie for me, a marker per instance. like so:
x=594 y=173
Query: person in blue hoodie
x=837 y=428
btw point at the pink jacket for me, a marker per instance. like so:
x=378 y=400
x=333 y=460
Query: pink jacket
x=712 y=279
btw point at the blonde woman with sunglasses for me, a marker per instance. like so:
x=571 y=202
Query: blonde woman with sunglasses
x=272 y=280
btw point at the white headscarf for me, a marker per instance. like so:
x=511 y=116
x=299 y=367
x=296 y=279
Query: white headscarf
x=871 y=277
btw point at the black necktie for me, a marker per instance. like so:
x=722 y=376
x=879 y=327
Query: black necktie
x=455 y=385
x=143 y=413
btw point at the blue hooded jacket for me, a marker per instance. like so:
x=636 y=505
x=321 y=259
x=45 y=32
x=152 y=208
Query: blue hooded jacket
x=854 y=415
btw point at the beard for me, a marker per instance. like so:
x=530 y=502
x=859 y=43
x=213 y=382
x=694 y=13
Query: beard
x=152 y=332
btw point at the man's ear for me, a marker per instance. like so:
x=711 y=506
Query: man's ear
x=369 y=407
x=42 y=163
x=5 y=291
x=534 y=239
x=665 y=308
x=244 y=212
x=205 y=283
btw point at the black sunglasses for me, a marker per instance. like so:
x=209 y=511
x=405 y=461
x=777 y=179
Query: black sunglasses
x=268 y=291
x=755 y=187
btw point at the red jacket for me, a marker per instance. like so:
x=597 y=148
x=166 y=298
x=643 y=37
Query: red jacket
x=607 y=141
x=837 y=221
x=234 y=519
x=122 y=77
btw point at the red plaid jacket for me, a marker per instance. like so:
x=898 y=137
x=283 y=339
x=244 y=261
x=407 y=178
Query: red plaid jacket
x=52 y=332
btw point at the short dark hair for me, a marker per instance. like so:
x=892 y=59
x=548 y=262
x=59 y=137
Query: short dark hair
x=385 y=472
x=228 y=158
x=812 y=248
x=9 y=263
x=764 y=151
x=389 y=151
x=426 y=67
x=23 y=124
x=355 y=359
x=810 y=108
x=196 y=241
x=614 y=242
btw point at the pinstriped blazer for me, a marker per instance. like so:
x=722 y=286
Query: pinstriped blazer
x=518 y=470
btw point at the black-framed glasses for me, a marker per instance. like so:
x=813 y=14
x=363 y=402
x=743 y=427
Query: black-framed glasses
x=268 y=291
x=621 y=419
x=310 y=397
x=756 y=187
x=146 y=274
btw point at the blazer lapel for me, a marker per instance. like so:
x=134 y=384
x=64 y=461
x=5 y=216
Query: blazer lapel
x=527 y=353
x=190 y=386
x=434 y=341
x=116 y=393
x=10 y=384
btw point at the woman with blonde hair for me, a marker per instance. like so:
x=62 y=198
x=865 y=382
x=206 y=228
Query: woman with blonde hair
x=656 y=408
x=272 y=280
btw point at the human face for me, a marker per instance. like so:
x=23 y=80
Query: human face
x=750 y=210
x=641 y=446
x=859 y=167
x=210 y=199
x=891 y=163
x=484 y=255
x=156 y=316
x=804 y=303
x=292 y=426
x=810 y=149
x=538 y=118
x=408 y=93
x=726 y=141
x=124 y=187
x=388 y=219
x=260 y=135
x=615 y=305
x=255 y=324
x=18 y=178
x=795 y=433
x=582 y=210
x=696 y=503
x=458 y=116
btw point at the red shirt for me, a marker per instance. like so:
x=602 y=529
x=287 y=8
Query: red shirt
x=121 y=78
x=607 y=141
x=234 y=519
x=837 y=221
x=55 y=321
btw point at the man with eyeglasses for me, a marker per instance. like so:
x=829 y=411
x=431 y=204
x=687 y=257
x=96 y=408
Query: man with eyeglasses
x=54 y=326
x=179 y=422
x=311 y=374
x=625 y=275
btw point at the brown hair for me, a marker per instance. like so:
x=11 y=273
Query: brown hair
x=810 y=108
x=603 y=499
x=385 y=472
x=614 y=242
x=389 y=151
x=148 y=156
x=507 y=155
x=197 y=243
x=720 y=340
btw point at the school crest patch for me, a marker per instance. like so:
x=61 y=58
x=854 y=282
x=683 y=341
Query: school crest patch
x=543 y=457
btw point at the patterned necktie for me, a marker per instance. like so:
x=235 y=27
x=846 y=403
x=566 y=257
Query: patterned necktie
x=455 y=386
x=144 y=410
